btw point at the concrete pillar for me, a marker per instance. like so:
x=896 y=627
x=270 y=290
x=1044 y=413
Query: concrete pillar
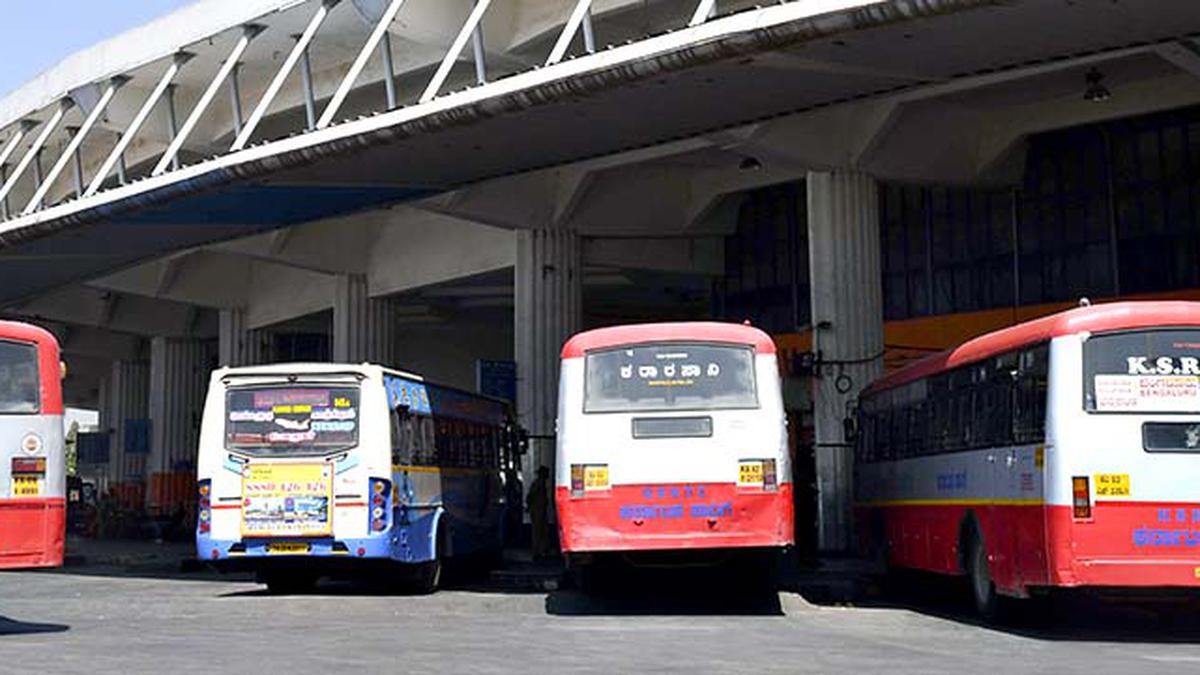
x=179 y=371
x=239 y=345
x=847 y=315
x=126 y=414
x=549 y=283
x=363 y=327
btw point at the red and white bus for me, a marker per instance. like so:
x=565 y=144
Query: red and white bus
x=32 y=461
x=671 y=438
x=1055 y=453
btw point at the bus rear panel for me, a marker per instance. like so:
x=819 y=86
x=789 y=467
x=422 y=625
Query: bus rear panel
x=329 y=469
x=32 y=451
x=672 y=441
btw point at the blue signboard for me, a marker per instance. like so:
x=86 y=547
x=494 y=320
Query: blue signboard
x=497 y=379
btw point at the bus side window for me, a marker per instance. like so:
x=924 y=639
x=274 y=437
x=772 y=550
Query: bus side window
x=397 y=436
x=1029 y=418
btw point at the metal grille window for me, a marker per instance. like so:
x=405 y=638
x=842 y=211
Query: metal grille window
x=766 y=261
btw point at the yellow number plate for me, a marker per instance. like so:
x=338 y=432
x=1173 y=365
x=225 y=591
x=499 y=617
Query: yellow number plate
x=1112 y=485
x=750 y=473
x=288 y=548
x=595 y=477
x=25 y=486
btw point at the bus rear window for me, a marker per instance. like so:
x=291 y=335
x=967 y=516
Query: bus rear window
x=291 y=420
x=1150 y=371
x=18 y=379
x=675 y=376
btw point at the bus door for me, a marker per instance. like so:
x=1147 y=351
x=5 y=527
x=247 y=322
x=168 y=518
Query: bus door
x=1023 y=463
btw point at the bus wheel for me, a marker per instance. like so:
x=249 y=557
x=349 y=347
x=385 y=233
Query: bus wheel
x=289 y=583
x=983 y=590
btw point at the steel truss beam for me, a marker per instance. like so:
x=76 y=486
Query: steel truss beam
x=34 y=151
x=364 y=55
x=456 y=48
x=231 y=62
x=289 y=64
x=115 y=157
x=72 y=148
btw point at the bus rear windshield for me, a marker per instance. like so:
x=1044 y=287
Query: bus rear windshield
x=675 y=376
x=18 y=379
x=291 y=420
x=1146 y=371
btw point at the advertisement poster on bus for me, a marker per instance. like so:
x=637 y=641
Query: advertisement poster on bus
x=287 y=500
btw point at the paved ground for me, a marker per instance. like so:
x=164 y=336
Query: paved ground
x=110 y=619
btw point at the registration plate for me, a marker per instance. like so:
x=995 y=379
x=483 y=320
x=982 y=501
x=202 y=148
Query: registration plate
x=595 y=477
x=288 y=548
x=750 y=473
x=25 y=486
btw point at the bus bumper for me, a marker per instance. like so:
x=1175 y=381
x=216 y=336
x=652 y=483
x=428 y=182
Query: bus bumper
x=32 y=532
x=411 y=542
x=675 y=516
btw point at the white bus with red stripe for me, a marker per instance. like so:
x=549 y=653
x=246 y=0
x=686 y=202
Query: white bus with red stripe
x=32 y=462
x=671 y=438
x=1056 y=453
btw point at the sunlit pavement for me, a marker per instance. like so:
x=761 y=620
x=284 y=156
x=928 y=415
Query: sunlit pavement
x=104 y=619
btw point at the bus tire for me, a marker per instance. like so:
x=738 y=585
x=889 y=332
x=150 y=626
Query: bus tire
x=289 y=583
x=983 y=589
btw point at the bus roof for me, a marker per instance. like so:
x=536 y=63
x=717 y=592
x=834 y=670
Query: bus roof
x=1094 y=319
x=49 y=367
x=310 y=367
x=686 y=331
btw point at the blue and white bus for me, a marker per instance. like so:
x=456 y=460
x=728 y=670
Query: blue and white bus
x=311 y=470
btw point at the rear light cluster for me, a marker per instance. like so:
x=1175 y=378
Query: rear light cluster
x=380 y=505
x=204 y=512
x=1081 y=497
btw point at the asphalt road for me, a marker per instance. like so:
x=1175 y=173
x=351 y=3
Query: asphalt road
x=106 y=621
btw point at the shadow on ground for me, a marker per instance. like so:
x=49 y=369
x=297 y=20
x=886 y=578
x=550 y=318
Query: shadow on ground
x=13 y=627
x=668 y=592
x=1065 y=616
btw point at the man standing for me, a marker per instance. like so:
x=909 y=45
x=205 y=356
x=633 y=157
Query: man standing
x=538 y=503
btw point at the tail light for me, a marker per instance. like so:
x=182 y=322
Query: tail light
x=204 y=503
x=1081 y=497
x=379 y=506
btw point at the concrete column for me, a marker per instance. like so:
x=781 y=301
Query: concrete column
x=847 y=315
x=179 y=371
x=239 y=345
x=549 y=283
x=126 y=411
x=363 y=327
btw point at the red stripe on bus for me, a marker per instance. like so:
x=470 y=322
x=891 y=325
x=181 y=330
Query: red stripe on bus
x=694 y=331
x=32 y=532
x=1123 y=544
x=635 y=518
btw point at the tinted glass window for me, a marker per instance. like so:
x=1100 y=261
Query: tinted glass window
x=670 y=377
x=1171 y=436
x=292 y=420
x=1153 y=371
x=18 y=378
